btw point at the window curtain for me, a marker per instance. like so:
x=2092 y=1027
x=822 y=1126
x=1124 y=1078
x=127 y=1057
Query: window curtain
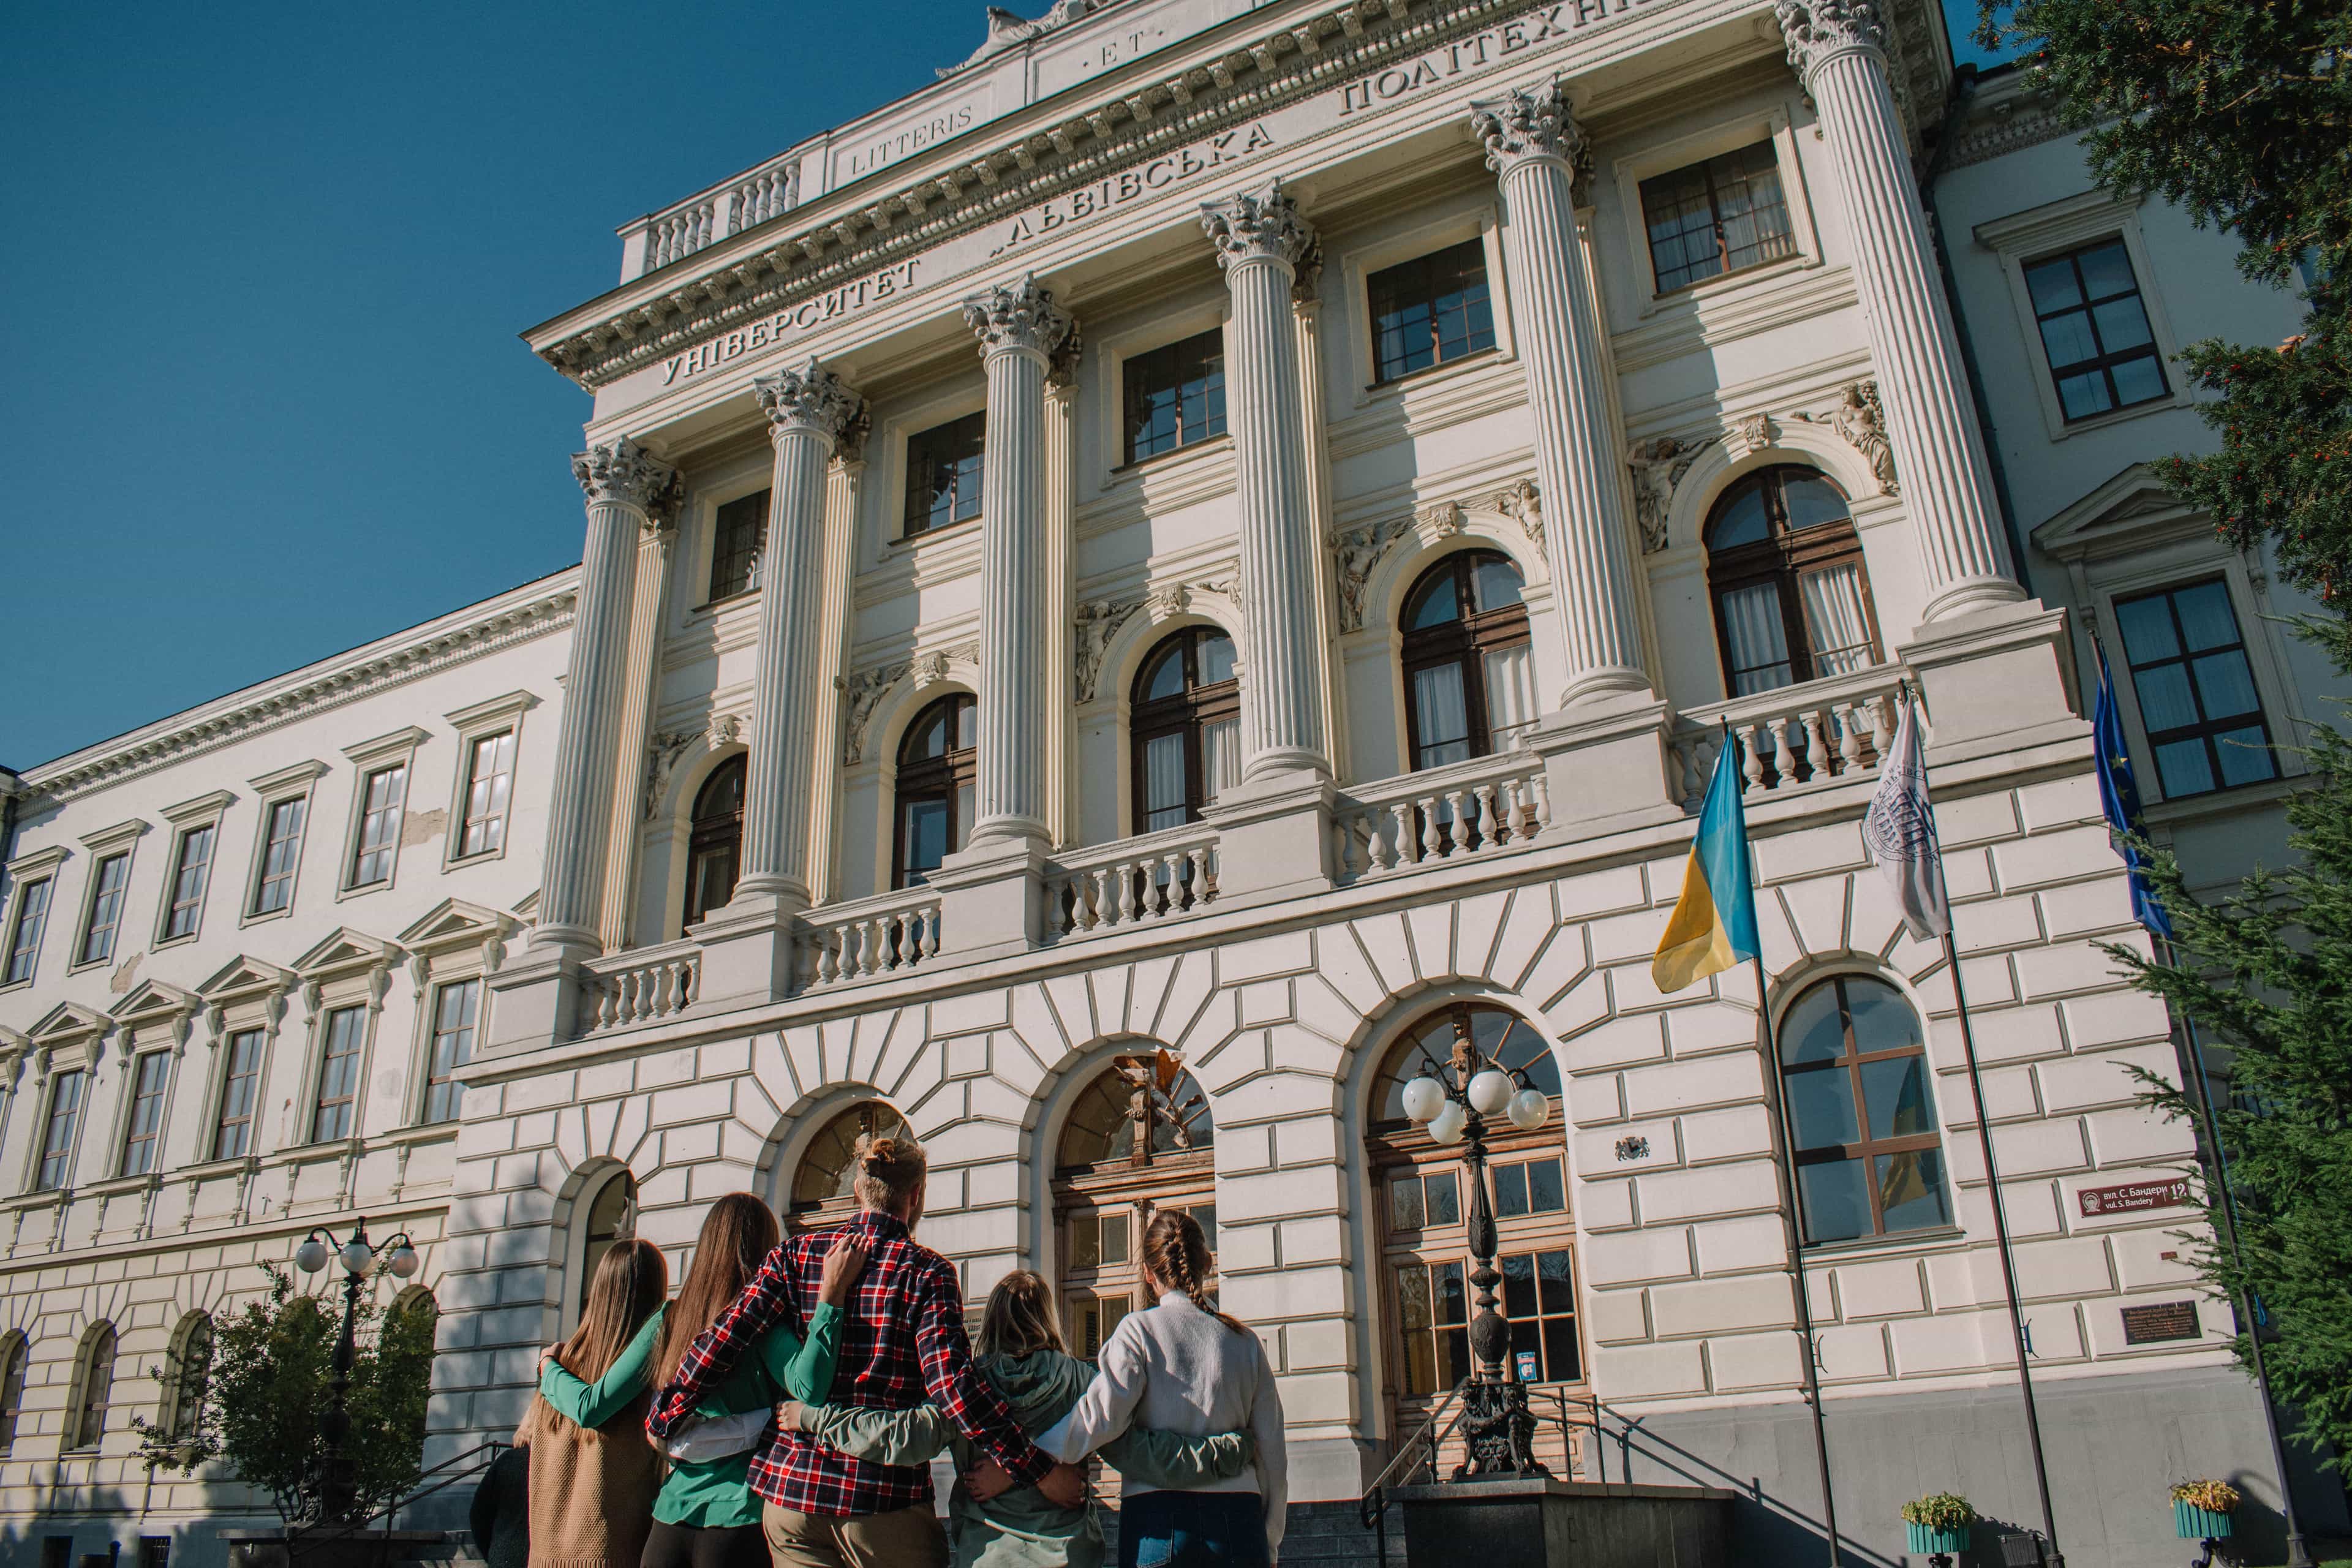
x=1444 y=721
x=1835 y=618
x=1759 y=644
x=1163 y=781
x=1221 y=762
x=1510 y=692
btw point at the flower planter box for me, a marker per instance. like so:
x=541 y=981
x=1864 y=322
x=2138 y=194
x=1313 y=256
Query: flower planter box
x=2190 y=1522
x=1929 y=1540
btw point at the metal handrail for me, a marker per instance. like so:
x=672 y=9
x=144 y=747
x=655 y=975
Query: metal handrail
x=1422 y=1447
x=310 y=1540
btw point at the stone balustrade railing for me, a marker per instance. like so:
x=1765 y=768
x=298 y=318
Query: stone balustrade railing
x=703 y=220
x=1819 y=732
x=1157 y=876
x=886 y=934
x=643 y=985
x=1481 y=807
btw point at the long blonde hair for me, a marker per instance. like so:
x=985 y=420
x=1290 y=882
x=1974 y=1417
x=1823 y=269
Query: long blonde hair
x=630 y=1285
x=1176 y=1251
x=738 y=1234
x=1019 y=1319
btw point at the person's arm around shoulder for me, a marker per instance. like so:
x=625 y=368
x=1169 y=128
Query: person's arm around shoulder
x=977 y=1411
x=1173 y=1462
x=804 y=1368
x=903 y=1438
x=594 y=1403
x=1105 y=1408
x=716 y=1350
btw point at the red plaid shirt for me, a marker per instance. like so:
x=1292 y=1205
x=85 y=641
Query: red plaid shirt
x=903 y=1337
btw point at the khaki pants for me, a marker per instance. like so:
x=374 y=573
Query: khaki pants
x=909 y=1538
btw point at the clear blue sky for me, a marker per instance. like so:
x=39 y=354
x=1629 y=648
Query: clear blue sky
x=259 y=381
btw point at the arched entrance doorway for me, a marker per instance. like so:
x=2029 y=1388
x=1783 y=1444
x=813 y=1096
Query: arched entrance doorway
x=1138 y=1139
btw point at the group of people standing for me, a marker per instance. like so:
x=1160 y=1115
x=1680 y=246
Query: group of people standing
x=786 y=1406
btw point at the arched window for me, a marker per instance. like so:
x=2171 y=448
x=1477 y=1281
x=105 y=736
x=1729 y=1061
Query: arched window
x=1187 y=724
x=1784 y=566
x=1468 y=683
x=93 y=1389
x=1422 y=1195
x=14 y=1351
x=1138 y=1139
x=935 y=789
x=612 y=1216
x=714 y=851
x=187 y=1374
x=1861 y=1100
x=824 y=1184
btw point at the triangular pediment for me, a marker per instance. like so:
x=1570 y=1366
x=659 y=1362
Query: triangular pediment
x=70 y=1021
x=455 y=924
x=2129 y=511
x=152 y=999
x=528 y=907
x=243 y=976
x=343 y=951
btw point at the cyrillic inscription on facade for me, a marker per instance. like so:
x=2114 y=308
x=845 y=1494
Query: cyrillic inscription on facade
x=2158 y=1321
x=1116 y=191
x=811 y=313
x=2131 y=1195
x=1478 y=51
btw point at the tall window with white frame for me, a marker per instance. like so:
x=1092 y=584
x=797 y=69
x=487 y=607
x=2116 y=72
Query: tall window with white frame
x=191 y=867
x=66 y=1090
x=455 y=1008
x=489 y=782
x=1723 y=215
x=1186 y=722
x=1431 y=311
x=334 y=1112
x=112 y=879
x=142 y=1139
x=938 y=770
x=1861 y=1101
x=943 y=474
x=1469 y=687
x=737 y=531
x=24 y=931
x=1175 y=395
x=2094 y=330
x=94 y=1390
x=281 y=854
x=2196 y=689
x=379 y=835
x=240 y=1095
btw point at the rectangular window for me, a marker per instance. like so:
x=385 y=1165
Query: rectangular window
x=736 y=534
x=2197 y=698
x=113 y=879
x=190 y=871
x=240 y=1092
x=943 y=474
x=1532 y=1188
x=281 y=852
x=1717 y=216
x=454 y=1010
x=25 y=936
x=1540 y=1300
x=1432 y=1303
x=2094 y=330
x=58 y=1140
x=1416 y=1202
x=339 y=1076
x=142 y=1148
x=379 y=826
x=490 y=778
x=1175 y=395
x=1430 y=310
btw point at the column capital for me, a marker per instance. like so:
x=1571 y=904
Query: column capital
x=1820 y=30
x=1531 y=123
x=810 y=401
x=1260 y=226
x=622 y=473
x=1018 y=318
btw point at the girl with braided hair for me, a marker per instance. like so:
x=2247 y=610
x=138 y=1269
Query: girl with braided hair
x=1183 y=1366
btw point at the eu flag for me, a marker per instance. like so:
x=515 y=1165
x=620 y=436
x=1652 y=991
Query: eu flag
x=2119 y=798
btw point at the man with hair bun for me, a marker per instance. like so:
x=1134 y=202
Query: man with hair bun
x=904 y=1340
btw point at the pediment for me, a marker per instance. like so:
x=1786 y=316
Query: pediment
x=243 y=977
x=455 y=924
x=345 y=951
x=152 y=999
x=527 y=908
x=2130 y=511
x=70 y=1024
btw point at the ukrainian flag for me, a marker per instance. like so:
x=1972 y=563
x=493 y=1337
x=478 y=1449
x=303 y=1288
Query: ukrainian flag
x=1714 y=924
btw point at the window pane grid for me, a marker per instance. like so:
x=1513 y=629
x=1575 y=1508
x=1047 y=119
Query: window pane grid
x=937 y=761
x=189 y=873
x=1466 y=678
x=56 y=1141
x=489 y=780
x=232 y=1137
x=454 y=1013
x=739 y=530
x=1717 y=216
x=339 y=1074
x=2094 y=330
x=2196 y=690
x=140 y=1147
x=943 y=471
x=97 y=1389
x=106 y=908
x=1859 y=1099
x=379 y=827
x=1430 y=310
x=24 y=938
x=283 y=852
x=1175 y=395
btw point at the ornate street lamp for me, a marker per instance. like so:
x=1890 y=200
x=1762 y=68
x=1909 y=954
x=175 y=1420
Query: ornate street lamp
x=328 y=1497
x=1453 y=1103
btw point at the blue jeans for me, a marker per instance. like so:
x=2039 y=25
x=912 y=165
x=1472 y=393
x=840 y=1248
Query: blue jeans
x=1192 y=1529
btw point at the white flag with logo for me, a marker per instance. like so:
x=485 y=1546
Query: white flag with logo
x=1900 y=829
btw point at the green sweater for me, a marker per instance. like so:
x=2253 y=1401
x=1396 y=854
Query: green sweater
x=1019 y=1529
x=715 y=1493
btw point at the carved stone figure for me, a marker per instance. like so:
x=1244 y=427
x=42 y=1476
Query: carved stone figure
x=1521 y=499
x=1356 y=552
x=1007 y=31
x=864 y=690
x=662 y=751
x=1443 y=519
x=1658 y=465
x=1096 y=624
x=1863 y=422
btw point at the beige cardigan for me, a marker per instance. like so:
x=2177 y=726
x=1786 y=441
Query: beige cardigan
x=592 y=1490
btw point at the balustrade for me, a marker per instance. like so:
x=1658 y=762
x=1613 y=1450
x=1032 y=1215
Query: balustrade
x=868 y=938
x=1817 y=732
x=639 y=987
x=1479 y=808
x=1159 y=876
x=704 y=220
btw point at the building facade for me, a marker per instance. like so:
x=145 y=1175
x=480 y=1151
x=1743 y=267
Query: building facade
x=1131 y=596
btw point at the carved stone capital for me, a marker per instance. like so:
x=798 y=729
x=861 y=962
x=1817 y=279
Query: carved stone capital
x=810 y=401
x=1265 y=225
x=1018 y=318
x=1531 y=123
x=624 y=474
x=1820 y=30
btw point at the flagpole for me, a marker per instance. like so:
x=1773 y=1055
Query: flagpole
x=2008 y=1262
x=1787 y=1167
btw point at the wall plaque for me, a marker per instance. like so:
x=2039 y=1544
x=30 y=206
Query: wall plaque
x=2158 y=1321
x=2123 y=1198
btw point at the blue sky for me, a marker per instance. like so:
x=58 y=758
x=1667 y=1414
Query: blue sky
x=259 y=370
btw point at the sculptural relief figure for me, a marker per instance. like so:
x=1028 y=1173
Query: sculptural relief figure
x=1859 y=419
x=1096 y=624
x=1653 y=465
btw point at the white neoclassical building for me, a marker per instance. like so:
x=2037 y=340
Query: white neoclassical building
x=1200 y=557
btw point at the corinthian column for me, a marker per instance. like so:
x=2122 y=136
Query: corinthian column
x=627 y=489
x=1261 y=238
x=1838 y=48
x=809 y=411
x=1021 y=330
x=1535 y=146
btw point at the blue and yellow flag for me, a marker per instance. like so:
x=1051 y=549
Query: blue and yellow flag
x=1714 y=924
